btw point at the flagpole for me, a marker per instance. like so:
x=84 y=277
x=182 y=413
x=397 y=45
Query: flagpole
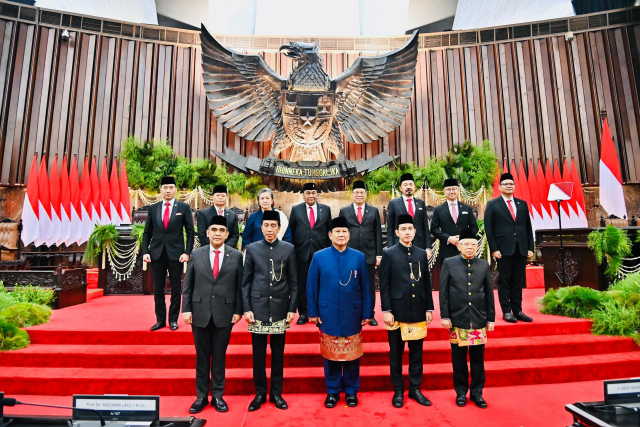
x=561 y=242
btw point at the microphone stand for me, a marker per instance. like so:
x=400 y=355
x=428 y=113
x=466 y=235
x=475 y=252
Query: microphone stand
x=13 y=402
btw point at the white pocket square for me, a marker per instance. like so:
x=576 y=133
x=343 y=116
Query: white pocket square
x=464 y=213
x=419 y=209
x=178 y=213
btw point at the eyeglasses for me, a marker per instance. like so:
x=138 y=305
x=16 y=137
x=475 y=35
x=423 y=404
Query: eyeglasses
x=507 y=184
x=468 y=245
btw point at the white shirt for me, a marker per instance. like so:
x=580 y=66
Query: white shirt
x=406 y=204
x=171 y=202
x=315 y=211
x=513 y=204
x=355 y=208
x=220 y=256
x=218 y=210
x=451 y=208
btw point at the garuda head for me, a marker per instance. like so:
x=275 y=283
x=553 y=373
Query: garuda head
x=301 y=52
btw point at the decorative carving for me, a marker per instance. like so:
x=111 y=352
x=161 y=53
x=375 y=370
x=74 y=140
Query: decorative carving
x=571 y=267
x=27 y=277
x=132 y=286
x=73 y=277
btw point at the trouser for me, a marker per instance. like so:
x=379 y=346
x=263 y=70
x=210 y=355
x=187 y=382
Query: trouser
x=396 y=349
x=371 y=268
x=159 y=269
x=259 y=344
x=512 y=271
x=211 y=348
x=303 y=272
x=460 y=369
x=342 y=376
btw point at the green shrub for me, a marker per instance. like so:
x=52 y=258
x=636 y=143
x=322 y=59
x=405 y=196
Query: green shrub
x=573 y=301
x=26 y=314
x=101 y=236
x=612 y=244
x=6 y=301
x=33 y=294
x=12 y=337
x=631 y=283
x=616 y=320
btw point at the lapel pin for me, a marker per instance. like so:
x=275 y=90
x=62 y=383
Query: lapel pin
x=355 y=273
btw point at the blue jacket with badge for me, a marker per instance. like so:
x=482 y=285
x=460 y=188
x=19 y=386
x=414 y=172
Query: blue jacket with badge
x=338 y=291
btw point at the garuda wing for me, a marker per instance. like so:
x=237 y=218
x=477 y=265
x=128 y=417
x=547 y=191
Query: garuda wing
x=374 y=94
x=243 y=92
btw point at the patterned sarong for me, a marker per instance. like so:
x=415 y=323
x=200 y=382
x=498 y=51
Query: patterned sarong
x=341 y=349
x=467 y=337
x=410 y=331
x=279 y=327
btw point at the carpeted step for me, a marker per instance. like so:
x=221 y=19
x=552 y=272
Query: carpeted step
x=301 y=355
x=180 y=382
x=94 y=293
x=92 y=278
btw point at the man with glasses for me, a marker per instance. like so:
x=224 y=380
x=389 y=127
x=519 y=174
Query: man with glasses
x=218 y=209
x=507 y=224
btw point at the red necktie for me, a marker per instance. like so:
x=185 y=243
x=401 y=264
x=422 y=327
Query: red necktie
x=454 y=214
x=513 y=214
x=410 y=208
x=216 y=264
x=312 y=217
x=165 y=217
x=360 y=214
x=220 y=212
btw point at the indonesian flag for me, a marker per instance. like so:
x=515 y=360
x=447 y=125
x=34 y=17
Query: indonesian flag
x=564 y=206
x=526 y=195
x=516 y=181
x=105 y=197
x=611 y=194
x=85 y=204
x=114 y=193
x=540 y=207
x=65 y=204
x=30 y=208
x=572 y=205
x=579 y=195
x=496 y=182
x=125 y=201
x=44 y=206
x=54 y=194
x=553 y=207
x=76 y=207
x=95 y=194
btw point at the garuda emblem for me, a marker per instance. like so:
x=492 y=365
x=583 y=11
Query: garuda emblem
x=308 y=112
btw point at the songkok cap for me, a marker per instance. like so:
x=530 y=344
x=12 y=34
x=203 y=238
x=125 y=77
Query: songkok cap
x=219 y=189
x=271 y=216
x=450 y=182
x=404 y=219
x=167 y=180
x=218 y=220
x=339 y=222
x=358 y=184
x=309 y=186
x=406 y=177
x=505 y=176
x=467 y=233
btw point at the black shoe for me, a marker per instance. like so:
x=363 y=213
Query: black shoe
x=523 y=317
x=279 y=401
x=419 y=397
x=479 y=401
x=158 y=325
x=198 y=405
x=508 y=317
x=332 y=400
x=219 y=404
x=302 y=319
x=373 y=322
x=461 y=400
x=398 y=399
x=257 y=402
x=173 y=326
x=352 y=400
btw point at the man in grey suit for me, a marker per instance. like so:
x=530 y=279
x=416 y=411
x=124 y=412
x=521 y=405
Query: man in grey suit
x=212 y=304
x=218 y=208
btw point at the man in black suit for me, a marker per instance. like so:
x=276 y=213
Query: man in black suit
x=510 y=236
x=363 y=221
x=468 y=313
x=212 y=304
x=450 y=218
x=163 y=246
x=310 y=224
x=218 y=208
x=407 y=303
x=407 y=204
x=269 y=294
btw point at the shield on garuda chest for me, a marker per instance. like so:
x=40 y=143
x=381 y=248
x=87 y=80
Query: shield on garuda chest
x=307 y=117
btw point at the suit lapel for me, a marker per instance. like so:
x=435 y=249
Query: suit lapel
x=206 y=261
x=172 y=217
x=502 y=203
x=225 y=261
x=366 y=212
x=403 y=205
x=351 y=212
x=161 y=208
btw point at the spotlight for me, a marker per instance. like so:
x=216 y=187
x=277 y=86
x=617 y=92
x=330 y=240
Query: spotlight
x=65 y=36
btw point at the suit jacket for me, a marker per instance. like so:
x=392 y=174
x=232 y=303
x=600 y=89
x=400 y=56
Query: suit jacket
x=398 y=207
x=204 y=218
x=306 y=240
x=365 y=237
x=443 y=227
x=503 y=232
x=408 y=300
x=206 y=297
x=270 y=296
x=155 y=237
x=466 y=292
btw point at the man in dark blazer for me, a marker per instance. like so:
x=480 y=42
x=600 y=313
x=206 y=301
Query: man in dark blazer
x=507 y=224
x=405 y=296
x=218 y=208
x=363 y=221
x=407 y=204
x=163 y=246
x=310 y=224
x=468 y=313
x=212 y=304
x=269 y=294
x=450 y=218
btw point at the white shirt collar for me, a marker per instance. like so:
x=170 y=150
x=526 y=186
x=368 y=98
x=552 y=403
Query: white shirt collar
x=356 y=206
x=505 y=199
x=211 y=249
x=218 y=209
x=171 y=202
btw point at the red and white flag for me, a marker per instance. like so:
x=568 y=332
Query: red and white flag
x=125 y=201
x=76 y=207
x=114 y=194
x=553 y=207
x=44 y=215
x=85 y=204
x=526 y=195
x=572 y=204
x=65 y=204
x=54 y=194
x=564 y=206
x=516 y=181
x=579 y=195
x=496 y=182
x=611 y=193
x=95 y=194
x=31 y=208
x=105 y=197
x=540 y=214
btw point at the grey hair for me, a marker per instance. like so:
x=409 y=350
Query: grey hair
x=265 y=190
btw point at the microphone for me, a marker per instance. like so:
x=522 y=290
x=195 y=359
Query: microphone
x=10 y=401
